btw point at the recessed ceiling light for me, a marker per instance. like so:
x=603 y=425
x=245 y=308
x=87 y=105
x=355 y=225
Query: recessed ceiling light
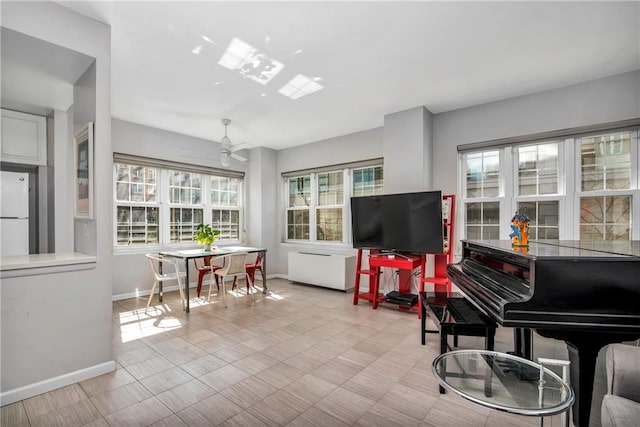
x=300 y=86
x=240 y=56
x=216 y=83
x=263 y=94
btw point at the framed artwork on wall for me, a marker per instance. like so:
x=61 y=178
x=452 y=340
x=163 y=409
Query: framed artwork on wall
x=83 y=172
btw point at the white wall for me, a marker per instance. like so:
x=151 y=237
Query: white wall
x=261 y=201
x=56 y=328
x=407 y=151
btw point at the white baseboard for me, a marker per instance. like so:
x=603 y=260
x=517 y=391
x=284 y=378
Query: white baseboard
x=146 y=292
x=21 y=393
x=171 y=288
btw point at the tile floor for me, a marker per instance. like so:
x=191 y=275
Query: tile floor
x=301 y=356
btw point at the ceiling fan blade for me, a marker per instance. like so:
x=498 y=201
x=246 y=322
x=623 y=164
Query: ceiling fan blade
x=238 y=157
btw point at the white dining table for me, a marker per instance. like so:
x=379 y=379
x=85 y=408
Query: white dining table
x=189 y=254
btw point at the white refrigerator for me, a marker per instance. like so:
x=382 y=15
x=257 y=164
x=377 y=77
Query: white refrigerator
x=14 y=213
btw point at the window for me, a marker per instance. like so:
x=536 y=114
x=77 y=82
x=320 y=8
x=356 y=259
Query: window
x=226 y=208
x=482 y=207
x=367 y=181
x=605 y=175
x=581 y=187
x=299 y=207
x=163 y=205
x=318 y=208
x=185 y=201
x=330 y=190
x=137 y=206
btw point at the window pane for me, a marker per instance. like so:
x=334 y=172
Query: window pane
x=491 y=176
x=483 y=174
x=136 y=225
x=228 y=222
x=185 y=188
x=367 y=181
x=135 y=183
x=182 y=223
x=122 y=191
x=330 y=188
x=474 y=213
x=605 y=218
x=544 y=219
x=606 y=162
x=224 y=192
x=298 y=224
x=538 y=169
x=482 y=220
x=300 y=191
x=329 y=224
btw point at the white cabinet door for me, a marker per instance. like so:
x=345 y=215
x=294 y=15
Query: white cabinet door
x=24 y=138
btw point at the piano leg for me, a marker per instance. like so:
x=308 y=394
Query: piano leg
x=583 y=351
x=523 y=343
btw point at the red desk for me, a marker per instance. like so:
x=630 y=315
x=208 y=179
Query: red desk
x=404 y=264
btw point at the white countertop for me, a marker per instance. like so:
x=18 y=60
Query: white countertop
x=20 y=262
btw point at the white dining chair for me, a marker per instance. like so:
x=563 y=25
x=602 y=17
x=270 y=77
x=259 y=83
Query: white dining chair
x=233 y=267
x=176 y=274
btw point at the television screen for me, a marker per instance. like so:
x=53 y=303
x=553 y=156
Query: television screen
x=408 y=222
x=366 y=222
x=412 y=222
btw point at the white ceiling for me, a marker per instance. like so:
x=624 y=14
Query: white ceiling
x=373 y=58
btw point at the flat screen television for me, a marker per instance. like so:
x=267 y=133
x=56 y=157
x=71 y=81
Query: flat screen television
x=406 y=222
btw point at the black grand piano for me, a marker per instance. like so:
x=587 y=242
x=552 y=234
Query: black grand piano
x=585 y=293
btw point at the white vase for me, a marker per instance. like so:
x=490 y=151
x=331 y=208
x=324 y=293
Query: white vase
x=207 y=247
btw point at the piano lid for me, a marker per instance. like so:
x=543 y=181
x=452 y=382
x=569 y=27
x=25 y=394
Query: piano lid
x=566 y=248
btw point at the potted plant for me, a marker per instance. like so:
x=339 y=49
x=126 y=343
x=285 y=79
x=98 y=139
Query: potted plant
x=205 y=235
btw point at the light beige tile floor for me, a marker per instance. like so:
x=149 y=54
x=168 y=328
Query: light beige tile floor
x=300 y=356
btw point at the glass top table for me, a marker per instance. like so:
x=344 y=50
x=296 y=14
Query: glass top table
x=503 y=382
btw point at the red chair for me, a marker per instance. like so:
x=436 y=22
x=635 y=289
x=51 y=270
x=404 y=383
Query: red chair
x=205 y=269
x=251 y=270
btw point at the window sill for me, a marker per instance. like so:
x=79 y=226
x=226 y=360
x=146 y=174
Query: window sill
x=135 y=250
x=37 y=264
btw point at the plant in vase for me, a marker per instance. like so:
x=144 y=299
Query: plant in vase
x=205 y=235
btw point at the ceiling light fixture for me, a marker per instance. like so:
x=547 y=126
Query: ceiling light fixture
x=240 y=56
x=300 y=86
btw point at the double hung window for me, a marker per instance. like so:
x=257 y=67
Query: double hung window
x=577 y=187
x=318 y=208
x=137 y=205
x=159 y=203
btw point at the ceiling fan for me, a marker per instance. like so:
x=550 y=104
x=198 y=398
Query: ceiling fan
x=226 y=149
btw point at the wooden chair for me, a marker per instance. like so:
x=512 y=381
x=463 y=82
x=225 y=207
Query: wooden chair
x=204 y=269
x=234 y=266
x=177 y=274
x=251 y=270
